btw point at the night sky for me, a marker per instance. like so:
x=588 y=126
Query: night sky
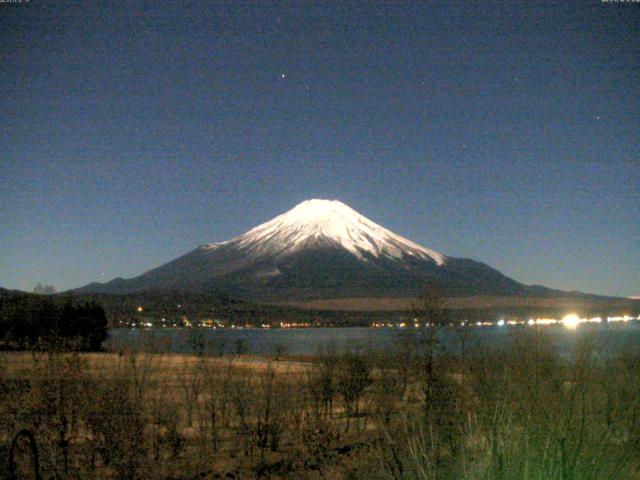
x=134 y=131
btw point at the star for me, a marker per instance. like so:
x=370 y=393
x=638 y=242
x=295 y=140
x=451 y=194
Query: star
x=283 y=76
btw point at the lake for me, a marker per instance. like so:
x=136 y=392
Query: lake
x=609 y=338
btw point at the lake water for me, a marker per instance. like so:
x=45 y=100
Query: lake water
x=609 y=338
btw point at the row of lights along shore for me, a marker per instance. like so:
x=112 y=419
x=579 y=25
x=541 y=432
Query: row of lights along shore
x=571 y=321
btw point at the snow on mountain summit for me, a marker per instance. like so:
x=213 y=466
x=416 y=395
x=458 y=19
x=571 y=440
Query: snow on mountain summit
x=328 y=222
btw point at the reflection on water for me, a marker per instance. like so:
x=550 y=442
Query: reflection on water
x=609 y=338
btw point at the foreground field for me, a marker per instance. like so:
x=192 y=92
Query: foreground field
x=516 y=412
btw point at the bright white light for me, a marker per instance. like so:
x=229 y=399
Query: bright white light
x=500 y=323
x=571 y=321
x=531 y=321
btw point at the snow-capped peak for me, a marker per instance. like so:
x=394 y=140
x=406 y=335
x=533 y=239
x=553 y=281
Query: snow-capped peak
x=328 y=222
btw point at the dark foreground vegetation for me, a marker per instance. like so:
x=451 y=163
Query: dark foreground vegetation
x=518 y=411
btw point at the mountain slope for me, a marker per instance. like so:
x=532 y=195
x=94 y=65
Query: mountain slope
x=318 y=249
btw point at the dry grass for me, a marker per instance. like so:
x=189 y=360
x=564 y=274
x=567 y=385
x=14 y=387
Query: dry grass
x=517 y=412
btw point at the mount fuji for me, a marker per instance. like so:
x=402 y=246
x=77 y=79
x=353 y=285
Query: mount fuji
x=320 y=249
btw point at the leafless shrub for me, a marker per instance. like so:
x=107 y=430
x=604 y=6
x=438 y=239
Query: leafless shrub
x=318 y=439
x=240 y=346
x=116 y=421
x=191 y=386
x=271 y=415
x=353 y=376
x=320 y=381
x=52 y=405
x=280 y=350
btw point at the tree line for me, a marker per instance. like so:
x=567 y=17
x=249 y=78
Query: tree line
x=27 y=321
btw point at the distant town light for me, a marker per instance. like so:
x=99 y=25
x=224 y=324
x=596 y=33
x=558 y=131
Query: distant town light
x=140 y=309
x=546 y=321
x=571 y=321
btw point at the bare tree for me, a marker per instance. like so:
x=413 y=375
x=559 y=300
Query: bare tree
x=353 y=376
x=44 y=289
